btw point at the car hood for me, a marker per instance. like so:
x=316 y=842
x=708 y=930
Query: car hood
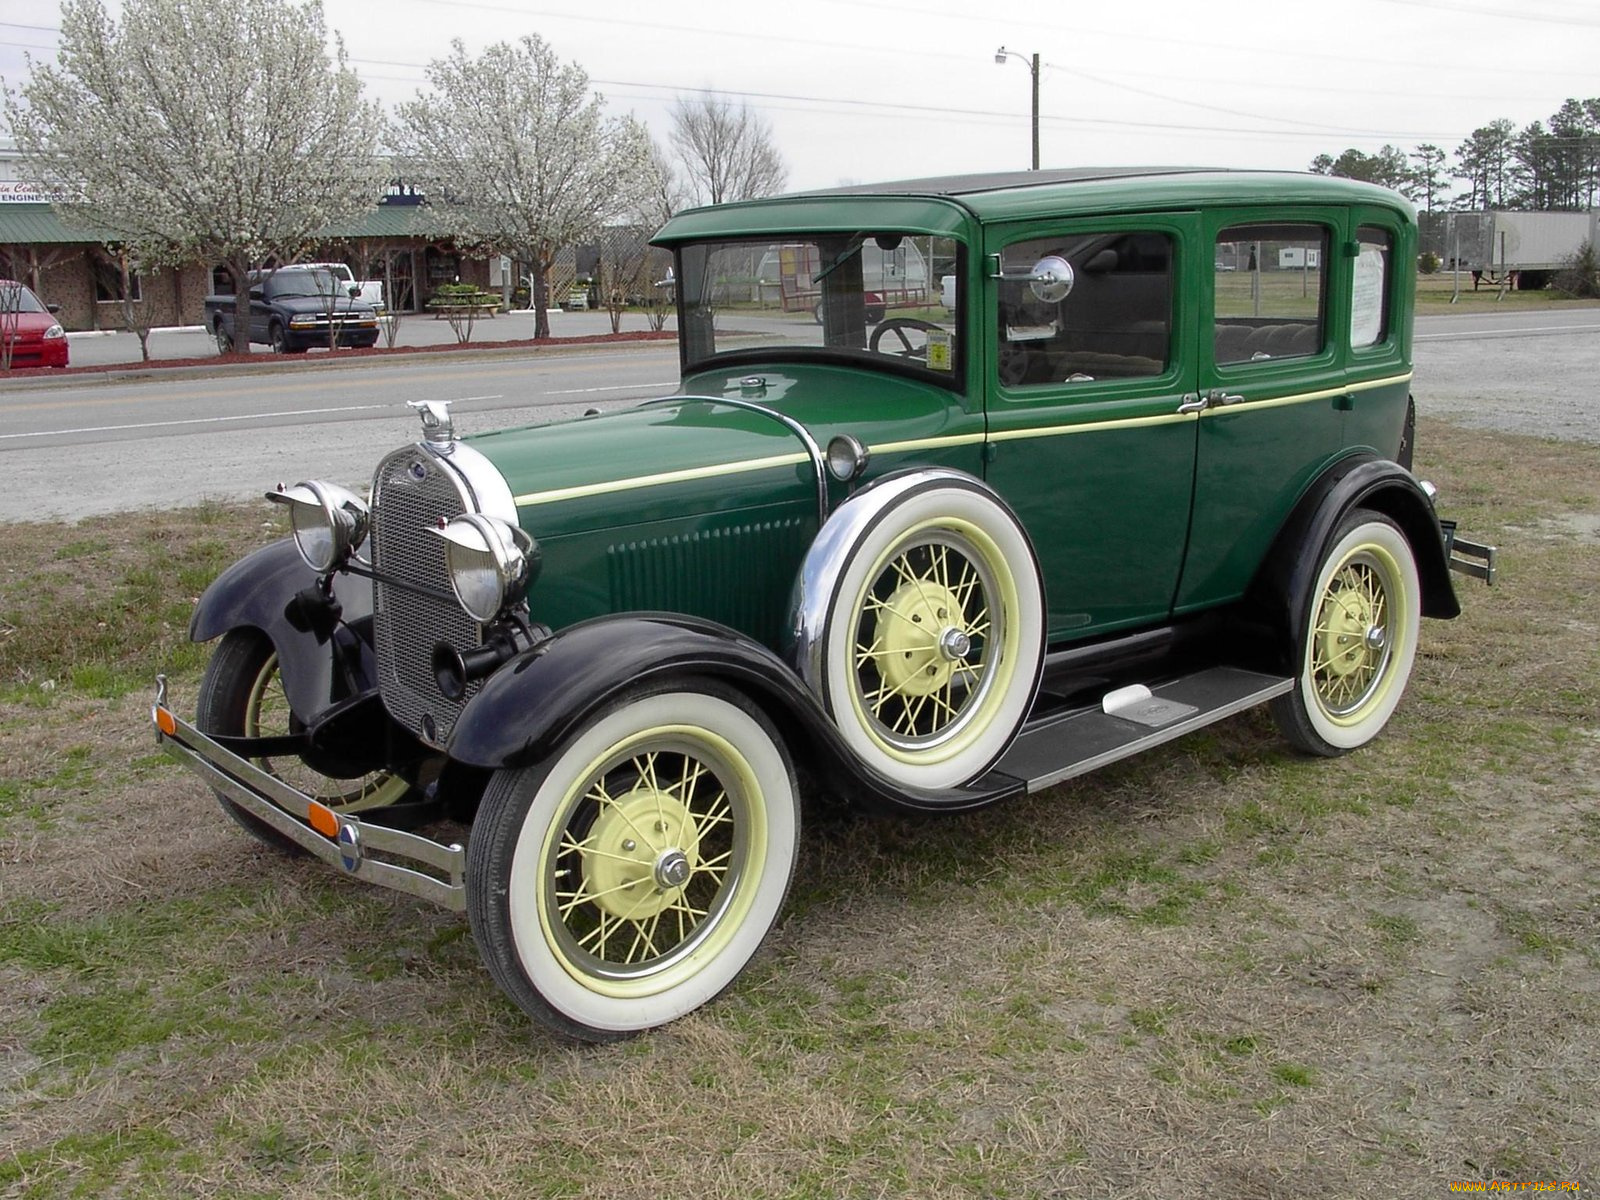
x=650 y=463
x=29 y=326
x=711 y=452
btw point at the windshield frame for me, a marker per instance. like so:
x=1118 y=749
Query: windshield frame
x=848 y=271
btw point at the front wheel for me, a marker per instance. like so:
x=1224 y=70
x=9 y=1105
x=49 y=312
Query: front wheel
x=278 y=336
x=1357 y=641
x=627 y=879
x=241 y=695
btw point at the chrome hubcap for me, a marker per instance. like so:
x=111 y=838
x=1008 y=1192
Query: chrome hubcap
x=954 y=644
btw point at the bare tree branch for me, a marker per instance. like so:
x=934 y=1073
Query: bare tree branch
x=727 y=152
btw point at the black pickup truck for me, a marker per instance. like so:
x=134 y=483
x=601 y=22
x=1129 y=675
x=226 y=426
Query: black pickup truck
x=291 y=309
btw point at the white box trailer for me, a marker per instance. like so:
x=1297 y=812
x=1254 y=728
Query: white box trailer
x=1531 y=245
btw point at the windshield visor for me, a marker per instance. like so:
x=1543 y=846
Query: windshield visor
x=884 y=298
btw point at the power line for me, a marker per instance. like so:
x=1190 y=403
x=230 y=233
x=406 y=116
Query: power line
x=845 y=104
x=1077 y=31
x=1498 y=14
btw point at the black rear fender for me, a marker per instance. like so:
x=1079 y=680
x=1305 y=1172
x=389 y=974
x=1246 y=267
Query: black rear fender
x=1283 y=584
x=324 y=657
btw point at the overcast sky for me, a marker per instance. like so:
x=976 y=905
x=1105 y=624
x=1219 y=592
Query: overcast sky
x=864 y=90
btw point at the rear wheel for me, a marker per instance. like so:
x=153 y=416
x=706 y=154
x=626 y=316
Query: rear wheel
x=241 y=695
x=1358 y=640
x=224 y=339
x=628 y=879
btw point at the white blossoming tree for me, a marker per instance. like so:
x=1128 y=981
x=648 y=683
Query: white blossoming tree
x=518 y=154
x=200 y=130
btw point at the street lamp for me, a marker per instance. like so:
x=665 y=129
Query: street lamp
x=1000 y=56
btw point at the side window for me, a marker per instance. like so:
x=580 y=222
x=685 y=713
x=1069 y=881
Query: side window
x=1269 y=292
x=1369 y=297
x=1114 y=322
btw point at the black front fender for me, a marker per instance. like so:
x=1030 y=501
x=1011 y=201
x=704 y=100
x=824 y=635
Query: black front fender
x=530 y=706
x=323 y=658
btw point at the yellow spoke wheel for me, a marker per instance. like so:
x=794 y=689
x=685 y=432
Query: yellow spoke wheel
x=241 y=695
x=267 y=714
x=1358 y=640
x=934 y=634
x=628 y=878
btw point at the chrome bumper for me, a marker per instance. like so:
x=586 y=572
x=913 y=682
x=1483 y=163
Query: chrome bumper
x=343 y=841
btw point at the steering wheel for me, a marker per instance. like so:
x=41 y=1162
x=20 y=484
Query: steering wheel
x=899 y=326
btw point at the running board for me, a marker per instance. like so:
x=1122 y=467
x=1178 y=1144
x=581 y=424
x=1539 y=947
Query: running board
x=1131 y=720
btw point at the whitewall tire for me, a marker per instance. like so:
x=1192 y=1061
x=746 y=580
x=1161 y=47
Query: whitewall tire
x=934 y=636
x=1358 y=638
x=628 y=879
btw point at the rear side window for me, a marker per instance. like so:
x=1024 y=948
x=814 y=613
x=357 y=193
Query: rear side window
x=1113 y=322
x=1369 y=297
x=1269 y=292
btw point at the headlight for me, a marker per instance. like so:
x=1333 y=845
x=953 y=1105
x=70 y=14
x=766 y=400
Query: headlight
x=54 y=331
x=329 y=522
x=491 y=563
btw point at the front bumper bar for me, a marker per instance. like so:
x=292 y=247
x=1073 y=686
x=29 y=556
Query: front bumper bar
x=340 y=840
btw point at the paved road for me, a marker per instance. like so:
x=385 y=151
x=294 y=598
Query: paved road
x=1526 y=372
x=72 y=448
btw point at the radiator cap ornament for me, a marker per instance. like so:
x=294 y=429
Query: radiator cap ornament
x=437 y=427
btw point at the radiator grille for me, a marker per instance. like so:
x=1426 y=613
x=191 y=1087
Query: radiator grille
x=411 y=492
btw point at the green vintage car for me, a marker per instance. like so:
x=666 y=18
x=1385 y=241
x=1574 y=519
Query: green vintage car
x=972 y=485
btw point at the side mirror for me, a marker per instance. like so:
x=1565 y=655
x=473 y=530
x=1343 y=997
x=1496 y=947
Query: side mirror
x=1049 y=281
x=53 y=308
x=354 y=291
x=1052 y=279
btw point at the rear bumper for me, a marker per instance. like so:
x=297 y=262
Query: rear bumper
x=1468 y=558
x=342 y=841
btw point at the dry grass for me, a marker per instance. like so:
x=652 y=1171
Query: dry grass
x=1218 y=969
x=1434 y=294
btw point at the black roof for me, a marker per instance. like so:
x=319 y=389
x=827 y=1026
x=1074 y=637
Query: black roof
x=998 y=181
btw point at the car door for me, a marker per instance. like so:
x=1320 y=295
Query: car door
x=260 y=310
x=1272 y=373
x=1378 y=370
x=1090 y=402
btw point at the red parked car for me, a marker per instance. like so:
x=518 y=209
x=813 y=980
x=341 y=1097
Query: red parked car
x=29 y=326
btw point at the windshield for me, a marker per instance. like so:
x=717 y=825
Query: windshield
x=16 y=298
x=289 y=283
x=884 y=297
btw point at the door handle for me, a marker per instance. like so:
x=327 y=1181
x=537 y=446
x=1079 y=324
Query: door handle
x=1217 y=398
x=1193 y=403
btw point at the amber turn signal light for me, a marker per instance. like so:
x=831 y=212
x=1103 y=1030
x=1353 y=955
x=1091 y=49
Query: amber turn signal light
x=166 y=723
x=324 y=820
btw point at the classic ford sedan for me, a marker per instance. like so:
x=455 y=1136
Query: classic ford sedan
x=1144 y=464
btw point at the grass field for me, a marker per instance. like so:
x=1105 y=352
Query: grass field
x=1215 y=970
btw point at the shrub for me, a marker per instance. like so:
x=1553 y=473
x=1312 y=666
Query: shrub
x=1428 y=262
x=1580 y=273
